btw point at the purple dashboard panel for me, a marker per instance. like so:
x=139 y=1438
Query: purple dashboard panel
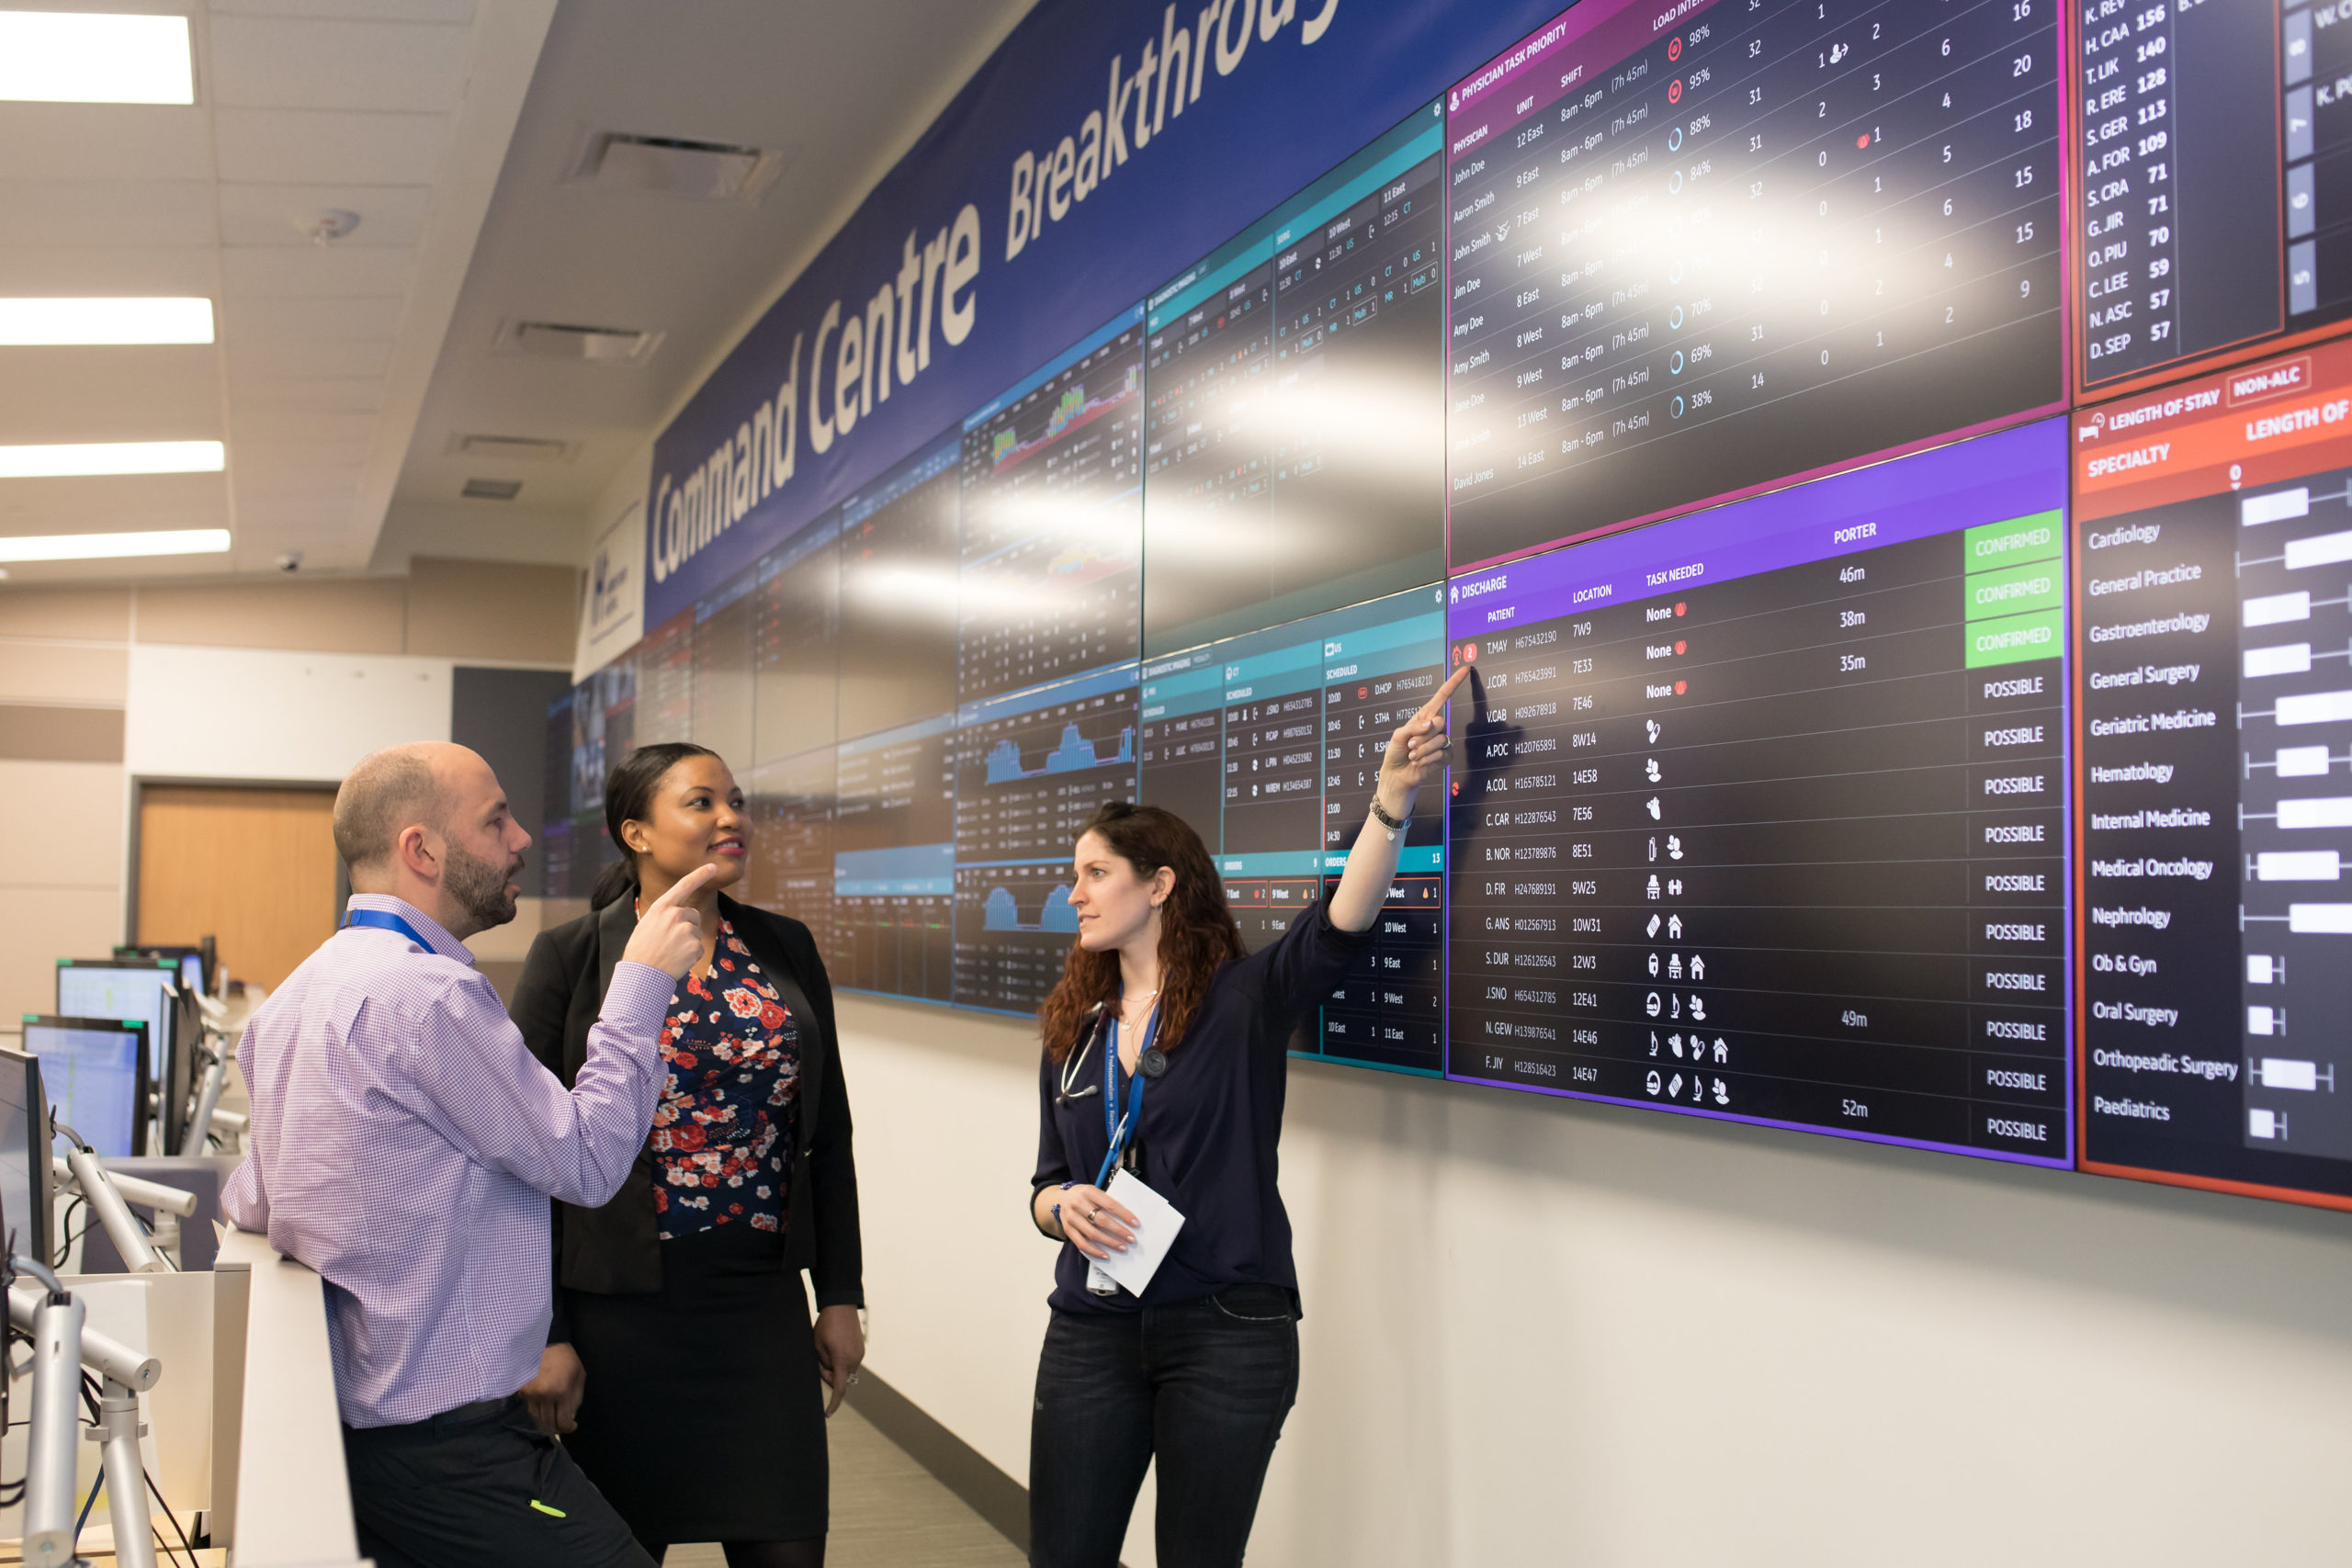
x=1697 y=250
x=1761 y=813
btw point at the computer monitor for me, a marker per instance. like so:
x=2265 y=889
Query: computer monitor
x=146 y=989
x=211 y=951
x=95 y=1072
x=193 y=964
x=25 y=1184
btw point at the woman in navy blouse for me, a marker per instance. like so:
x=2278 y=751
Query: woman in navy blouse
x=681 y=1364
x=1165 y=1058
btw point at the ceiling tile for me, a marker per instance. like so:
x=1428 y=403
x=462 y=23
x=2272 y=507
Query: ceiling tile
x=110 y=394
x=116 y=213
x=306 y=146
x=102 y=141
x=268 y=430
x=313 y=271
x=338 y=395
x=294 y=62
x=345 y=319
x=360 y=10
x=83 y=271
x=277 y=214
x=287 y=356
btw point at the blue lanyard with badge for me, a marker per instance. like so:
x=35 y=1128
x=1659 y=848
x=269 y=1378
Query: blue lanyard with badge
x=386 y=920
x=1119 y=1128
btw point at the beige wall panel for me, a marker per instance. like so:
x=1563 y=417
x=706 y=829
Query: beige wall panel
x=354 y=616
x=465 y=609
x=38 y=732
x=73 y=814
x=254 y=867
x=49 y=673
x=40 y=926
x=93 y=615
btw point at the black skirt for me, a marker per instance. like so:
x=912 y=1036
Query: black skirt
x=703 y=1418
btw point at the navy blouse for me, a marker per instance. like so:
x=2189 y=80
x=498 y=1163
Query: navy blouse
x=722 y=1130
x=1210 y=1125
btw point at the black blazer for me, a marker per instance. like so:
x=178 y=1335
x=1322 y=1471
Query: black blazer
x=615 y=1250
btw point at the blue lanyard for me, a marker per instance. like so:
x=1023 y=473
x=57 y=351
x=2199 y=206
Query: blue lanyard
x=1120 y=1130
x=388 y=922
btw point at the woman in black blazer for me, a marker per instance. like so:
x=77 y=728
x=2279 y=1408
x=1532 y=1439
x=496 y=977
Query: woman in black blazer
x=682 y=1365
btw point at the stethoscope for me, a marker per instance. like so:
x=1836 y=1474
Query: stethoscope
x=1151 y=1063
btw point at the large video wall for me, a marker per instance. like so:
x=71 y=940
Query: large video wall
x=1886 y=472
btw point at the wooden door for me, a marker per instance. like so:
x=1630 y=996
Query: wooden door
x=254 y=867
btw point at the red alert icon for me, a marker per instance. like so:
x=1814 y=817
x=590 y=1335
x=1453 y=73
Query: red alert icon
x=1681 y=609
x=1674 y=91
x=1682 y=647
x=1674 y=49
x=1680 y=687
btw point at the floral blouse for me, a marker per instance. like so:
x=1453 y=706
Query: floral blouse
x=723 y=1133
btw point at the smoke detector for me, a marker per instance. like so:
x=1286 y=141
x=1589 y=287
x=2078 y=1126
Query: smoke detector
x=326 y=225
x=567 y=340
x=673 y=165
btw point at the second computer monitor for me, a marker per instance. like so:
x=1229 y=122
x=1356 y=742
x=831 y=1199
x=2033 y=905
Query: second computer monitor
x=25 y=1185
x=95 y=1072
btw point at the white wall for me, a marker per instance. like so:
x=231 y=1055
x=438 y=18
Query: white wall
x=237 y=713
x=1545 y=1332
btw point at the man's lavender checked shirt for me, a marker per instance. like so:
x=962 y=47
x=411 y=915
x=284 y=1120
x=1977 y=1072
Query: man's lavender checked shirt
x=404 y=1144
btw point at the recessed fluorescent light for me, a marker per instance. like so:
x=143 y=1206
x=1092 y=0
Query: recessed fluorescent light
x=112 y=457
x=75 y=57
x=25 y=322
x=107 y=546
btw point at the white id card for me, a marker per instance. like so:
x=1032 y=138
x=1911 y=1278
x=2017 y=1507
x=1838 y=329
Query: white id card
x=1156 y=1222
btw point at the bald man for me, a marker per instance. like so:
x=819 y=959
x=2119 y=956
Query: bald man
x=406 y=1144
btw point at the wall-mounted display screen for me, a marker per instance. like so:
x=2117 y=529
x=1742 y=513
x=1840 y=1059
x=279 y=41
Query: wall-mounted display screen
x=791 y=808
x=1761 y=813
x=1291 y=456
x=894 y=859
x=2209 y=141
x=665 y=683
x=1052 y=522
x=796 y=645
x=1271 y=746
x=2216 y=813
x=1031 y=769
x=1697 y=250
x=898 y=647
x=725 y=624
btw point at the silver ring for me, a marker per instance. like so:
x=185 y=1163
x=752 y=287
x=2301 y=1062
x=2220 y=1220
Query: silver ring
x=852 y=1379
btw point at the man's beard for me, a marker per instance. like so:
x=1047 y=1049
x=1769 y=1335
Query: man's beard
x=479 y=887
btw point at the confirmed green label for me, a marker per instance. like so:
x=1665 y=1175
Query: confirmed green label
x=2015 y=589
x=2014 y=638
x=2020 y=539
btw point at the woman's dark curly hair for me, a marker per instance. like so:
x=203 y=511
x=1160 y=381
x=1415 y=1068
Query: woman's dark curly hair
x=1196 y=933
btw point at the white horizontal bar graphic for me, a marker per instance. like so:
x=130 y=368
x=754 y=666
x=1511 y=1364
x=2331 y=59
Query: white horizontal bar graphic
x=2260 y=1021
x=2320 y=549
x=2320 y=919
x=2279 y=1072
x=2315 y=707
x=2302 y=761
x=2259 y=509
x=2287 y=659
x=2266 y=1125
x=2325 y=811
x=2297 y=866
x=2259 y=969
x=2276 y=609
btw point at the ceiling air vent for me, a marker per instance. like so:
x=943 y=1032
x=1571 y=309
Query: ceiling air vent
x=512 y=448
x=701 y=171
x=565 y=340
x=491 y=489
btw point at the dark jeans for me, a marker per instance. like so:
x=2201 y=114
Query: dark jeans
x=1204 y=1387
x=478 y=1485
